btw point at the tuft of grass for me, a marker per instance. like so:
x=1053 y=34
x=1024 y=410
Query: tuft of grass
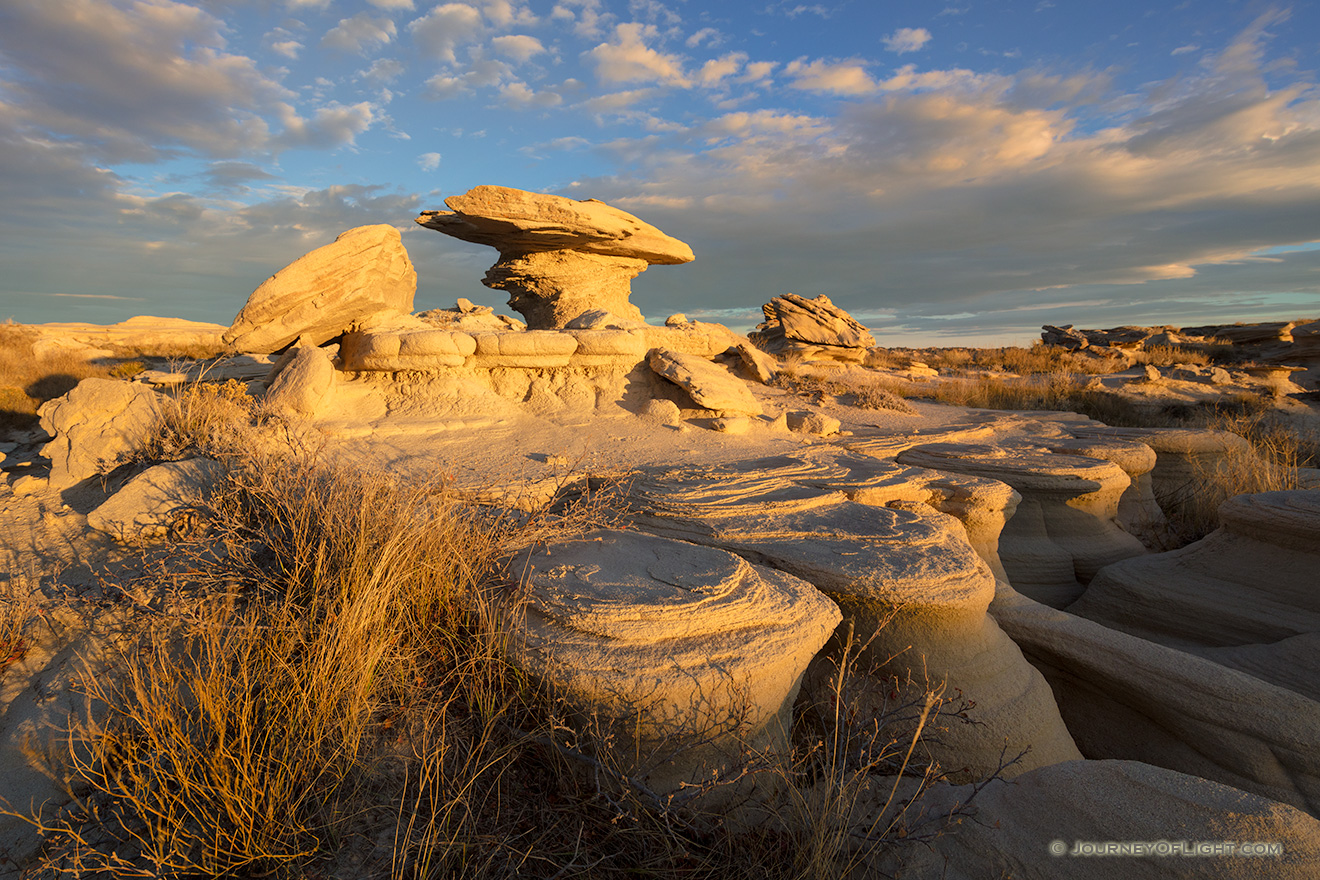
x=855 y=386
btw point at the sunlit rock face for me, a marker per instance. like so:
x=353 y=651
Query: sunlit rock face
x=675 y=643
x=97 y=425
x=364 y=274
x=909 y=584
x=815 y=329
x=559 y=257
x=1064 y=530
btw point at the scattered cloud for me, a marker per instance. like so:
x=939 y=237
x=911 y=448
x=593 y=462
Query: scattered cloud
x=716 y=70
x=392 y=4
x=1183 y=50
x=382 y=71
x=830 y=77
x=360 y=33
x=708 y=35
x=907 y=40
x=428 y=161
x=629 y=59
x=519 y=47
x=446 y=27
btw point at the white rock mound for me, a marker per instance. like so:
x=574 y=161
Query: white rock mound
x=96 y=426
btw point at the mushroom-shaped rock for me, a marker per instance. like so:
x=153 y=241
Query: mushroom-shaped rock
x=915 y=592
x=363 y=274
x=1193 y=827
x=1139 y=514
x=1185 y=458
x=1253 y=580
x=673 y=642
x=559 y=257
x=96 y=425
x=709 y=384
x=795 y=323
x=1127 y=697
x=1063 y=531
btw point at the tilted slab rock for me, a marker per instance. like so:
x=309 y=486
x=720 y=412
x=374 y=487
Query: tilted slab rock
x=364 y=273
x=1063 y=531
x=913 y=565
x=157 y=500
x=709 y=384
x=1127 y=697
x=671 y=641
x=559 y=257
x=1012 y=828
x=795 y=319
x=1253 y=580
x=96 y=425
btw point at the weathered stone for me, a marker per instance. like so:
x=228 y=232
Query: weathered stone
x=795 y=319
x=1251 y=581
x=422 y=350
x=364 y=273
x=96 y=425
x=760 y=364
x=608 y=347
x=806 y=422
x=1064 y=337
x=1126 y=697
x=157 y=500
x=1139 y=514
x=671 y=642
x=915 y=591
x=1012 y=830
x=559 y=257
x=710 y=385
x=303 y=386
x=1063 y=531
x=531 y=349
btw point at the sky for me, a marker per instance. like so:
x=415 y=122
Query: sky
x=950 y=174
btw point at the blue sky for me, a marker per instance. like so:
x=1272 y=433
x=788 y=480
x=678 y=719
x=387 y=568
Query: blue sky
x=949 y=173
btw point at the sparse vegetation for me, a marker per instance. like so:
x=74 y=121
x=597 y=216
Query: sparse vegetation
x=853 y=386
x=320 y=686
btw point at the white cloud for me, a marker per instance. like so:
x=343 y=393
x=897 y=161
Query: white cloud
x=519 y=94
x=629 y=59
x=333 y=125
x=619 y=102
x=382 y=71
x=444 y=28
x=428 y=161
x=519 y=47
x=392 y=4
x=705 y=35
x=716 y=70
x=588 y=19
x=360 y=33
x=836 y=78
x=1183 y=50
x=287 y=48
x=907 y=40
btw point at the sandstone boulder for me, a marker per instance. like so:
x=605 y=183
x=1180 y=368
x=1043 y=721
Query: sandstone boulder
x=97 y=425
x=161 y=498
x=709 y=384
x=795 y=323
x=559 y=257
x=394 y=351
x=1028 y=829
x=1063 y=531
x=1139 y=514
x=672 y=642
x=364 y=273
x=303 y=385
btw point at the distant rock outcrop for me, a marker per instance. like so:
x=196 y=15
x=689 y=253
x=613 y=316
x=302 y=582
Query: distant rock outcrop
x=559 y=257
x=811 y=327
x=364 y=274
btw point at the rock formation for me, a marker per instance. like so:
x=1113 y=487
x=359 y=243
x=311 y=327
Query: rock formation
x=1126 y=697
x=1063 y=531
x=96 y=426
x=679 y=645
x=1252 y=581
x=710 y=385
x=159 y=499
x=910 y=569
x=559 y=257
x=813 y=328
x=364 y=274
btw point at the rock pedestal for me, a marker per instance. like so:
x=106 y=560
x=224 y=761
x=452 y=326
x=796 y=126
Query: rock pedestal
x=559 y=257
x=688 y=654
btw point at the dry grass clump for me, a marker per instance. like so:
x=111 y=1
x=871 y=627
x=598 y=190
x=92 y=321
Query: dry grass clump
x=854 y=386
x=326 y=690
x=28 y=380
x=1037 y=360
